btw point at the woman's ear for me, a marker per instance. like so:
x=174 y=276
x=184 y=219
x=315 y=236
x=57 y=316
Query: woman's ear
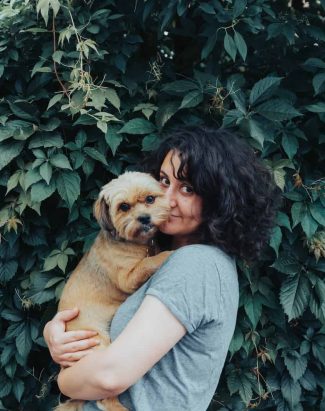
x=101 y=213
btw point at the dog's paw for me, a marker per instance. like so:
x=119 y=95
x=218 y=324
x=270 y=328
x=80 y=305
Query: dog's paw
x=110 y=404
x=70 y=406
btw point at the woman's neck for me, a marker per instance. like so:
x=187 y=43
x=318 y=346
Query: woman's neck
x=181 y=241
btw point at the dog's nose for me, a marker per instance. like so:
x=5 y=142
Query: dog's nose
x=144 y=219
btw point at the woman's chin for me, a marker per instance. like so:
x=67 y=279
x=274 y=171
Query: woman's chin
x=167 y=228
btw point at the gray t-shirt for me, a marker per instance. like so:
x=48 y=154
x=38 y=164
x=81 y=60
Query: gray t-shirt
x=198 y=284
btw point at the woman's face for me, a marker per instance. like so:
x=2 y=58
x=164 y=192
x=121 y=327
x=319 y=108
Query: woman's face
x=186 y=206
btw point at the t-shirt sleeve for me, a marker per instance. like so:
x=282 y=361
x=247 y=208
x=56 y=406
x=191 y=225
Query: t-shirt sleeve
x=188 y=284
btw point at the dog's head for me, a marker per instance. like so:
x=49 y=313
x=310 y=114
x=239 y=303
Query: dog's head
x=133 y=205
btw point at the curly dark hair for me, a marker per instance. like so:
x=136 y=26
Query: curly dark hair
x=238 y=192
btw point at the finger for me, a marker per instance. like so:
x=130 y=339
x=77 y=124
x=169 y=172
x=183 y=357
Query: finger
x=66 y=364
x=80 y=345
x=67 y=315
x=75 y=356
x=71 y=336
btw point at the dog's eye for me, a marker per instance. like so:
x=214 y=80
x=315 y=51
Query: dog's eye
x=124 y=207
x=150 y=199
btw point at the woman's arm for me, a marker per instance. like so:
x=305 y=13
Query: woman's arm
x=151 y=333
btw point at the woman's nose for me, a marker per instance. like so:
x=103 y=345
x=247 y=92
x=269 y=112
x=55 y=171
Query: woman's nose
x=171 y=197
x=172 y=203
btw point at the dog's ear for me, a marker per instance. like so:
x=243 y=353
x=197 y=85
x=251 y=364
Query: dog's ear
x=101 y=212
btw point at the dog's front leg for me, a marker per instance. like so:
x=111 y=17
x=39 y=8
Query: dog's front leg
x=130 y=281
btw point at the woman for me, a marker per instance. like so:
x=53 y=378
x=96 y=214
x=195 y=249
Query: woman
x=170 y=338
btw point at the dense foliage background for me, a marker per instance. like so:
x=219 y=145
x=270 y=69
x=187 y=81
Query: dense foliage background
x=86 y=87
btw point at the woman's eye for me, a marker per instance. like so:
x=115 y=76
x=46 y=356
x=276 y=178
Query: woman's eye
x=124 y=207
x=164 y=181
x=187 y=189
x=150 y=199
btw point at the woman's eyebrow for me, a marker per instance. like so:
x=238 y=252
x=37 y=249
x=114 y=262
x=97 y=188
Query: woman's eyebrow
x=163 y=172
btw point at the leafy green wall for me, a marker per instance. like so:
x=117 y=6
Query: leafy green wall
x=86 y=87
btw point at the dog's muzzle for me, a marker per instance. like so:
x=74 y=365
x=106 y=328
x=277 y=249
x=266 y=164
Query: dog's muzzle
x=144 y=219
x=146 y=224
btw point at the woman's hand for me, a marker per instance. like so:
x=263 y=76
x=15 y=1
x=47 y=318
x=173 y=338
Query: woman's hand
x=67 y=347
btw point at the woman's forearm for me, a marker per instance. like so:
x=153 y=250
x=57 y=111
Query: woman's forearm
x=149 y=335
x=89 y=379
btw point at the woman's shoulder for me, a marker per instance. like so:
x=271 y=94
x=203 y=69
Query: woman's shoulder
x=200 y=251
x=201 y=255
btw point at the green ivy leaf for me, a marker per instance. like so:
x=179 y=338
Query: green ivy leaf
x=24 y=341
x=318 y=83
x=279 y=177
x=62 y=261
x=283 y=220
x=295 y=363
x=294 y=295
x=308 y=381
x=290 y=145
x=68 y=186
x=317 y=302
x=98 y=97
x=209 y=46
x=41 y=191
x=165 y=112
x=263 y=89
x=57 y=56
x=318 y=213
x=150 y=142
x=236 y=342
x=137 y=126
x=102 y=125
x=309 y=225
x=9 y=151
x=18 y=389
x=277 y=110
x=291 y=390
x=192 y=99
x=256 y=131
x=45 y=171
x=60 y=161
x=230 y=46
x=43 y=6
x=95 y=154
x=7 y=353
x=11 y=315
x=24 y=110
x=316 y=108
x=113 y=98
x=294 y=196
x=7 y=270
x=241 y=383
x=239 y=8
x=113 y=139
x=241 y=45
x=13 y=180
x=314 y=62
x=5 y=385
x=32 y=176
x=298 y=212
x=45 y=140
x=253 y=309
x=319 y=352
x=179 y=87
x=276 y=239
x=207 y=8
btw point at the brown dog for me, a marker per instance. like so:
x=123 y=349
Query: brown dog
x=129 y=210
